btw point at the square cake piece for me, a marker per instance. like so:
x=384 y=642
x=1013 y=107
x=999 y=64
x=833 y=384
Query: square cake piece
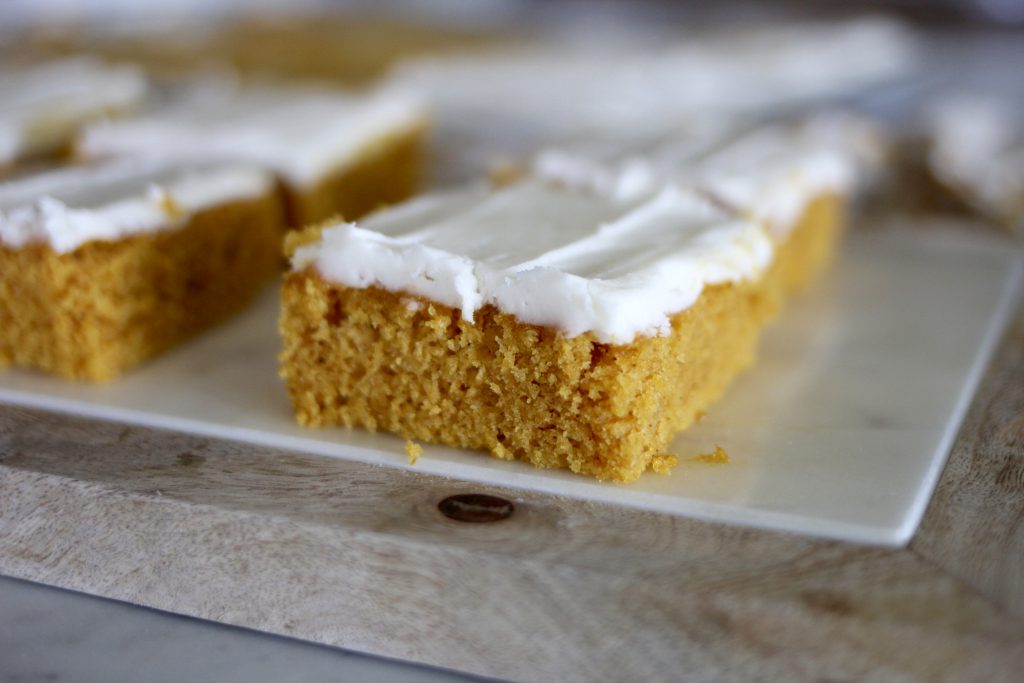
x=782 y=174
x=336 y=154
x=563 y=328
x=45 y=104
x=104 y=267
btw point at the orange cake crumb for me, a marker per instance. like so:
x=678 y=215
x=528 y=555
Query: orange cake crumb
x=716 y=457
x=664 y=463
x=414 y=451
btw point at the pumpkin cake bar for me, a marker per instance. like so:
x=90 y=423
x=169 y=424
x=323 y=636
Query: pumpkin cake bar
x=781 y=174
x=336 y=154
x=104 y=267
x=561 y=327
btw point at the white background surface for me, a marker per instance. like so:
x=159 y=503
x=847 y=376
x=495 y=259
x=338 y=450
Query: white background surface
x=840 y=430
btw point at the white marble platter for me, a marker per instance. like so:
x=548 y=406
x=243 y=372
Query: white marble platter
x=840 y=431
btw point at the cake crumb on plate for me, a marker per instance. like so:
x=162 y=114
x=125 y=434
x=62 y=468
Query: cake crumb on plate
x=664 y=463
x=414 y=451
x=716 y=457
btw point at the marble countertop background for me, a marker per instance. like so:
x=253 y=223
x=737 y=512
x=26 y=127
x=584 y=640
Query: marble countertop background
x=52 y=635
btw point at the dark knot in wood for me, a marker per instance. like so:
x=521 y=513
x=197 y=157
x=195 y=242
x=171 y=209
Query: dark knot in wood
x=476 y=508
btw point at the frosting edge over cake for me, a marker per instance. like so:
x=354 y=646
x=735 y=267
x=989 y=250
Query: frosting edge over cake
x=614 y=271
x=151 y=200
x=770 y=173
x=302 y=134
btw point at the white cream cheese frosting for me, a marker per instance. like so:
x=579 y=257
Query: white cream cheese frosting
x=69 y=207
x=42 y=106
x=547 y=255
x=302 y=134
x=769 y=172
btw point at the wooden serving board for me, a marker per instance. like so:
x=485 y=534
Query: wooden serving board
x=363 y=556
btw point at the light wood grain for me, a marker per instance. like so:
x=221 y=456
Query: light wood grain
x=358 y=556
x=974 y=525
x=845 y=612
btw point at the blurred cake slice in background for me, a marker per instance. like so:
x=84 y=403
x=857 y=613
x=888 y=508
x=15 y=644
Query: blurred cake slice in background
x=783 y=175
x=973 y=152
x=282 y=42
x=335 y=153
x=103 y=267
x=43 y=105
x=499 y=105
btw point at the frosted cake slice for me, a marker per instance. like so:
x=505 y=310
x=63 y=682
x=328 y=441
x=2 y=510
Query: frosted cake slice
x=975 y=152
x=550 y=95
x=104 y=267
x=42 y=106
x=336 y=154
x=562 y=328
x=781 y=175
